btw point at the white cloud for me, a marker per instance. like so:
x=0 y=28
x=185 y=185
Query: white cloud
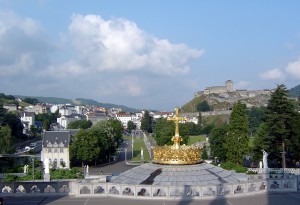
x=274 y=74
x=293 y=69
x=24 y=46
x=119 y=45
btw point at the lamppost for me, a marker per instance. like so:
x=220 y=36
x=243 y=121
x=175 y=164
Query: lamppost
x=132 y=142
x=216 y=160
x=32 y=169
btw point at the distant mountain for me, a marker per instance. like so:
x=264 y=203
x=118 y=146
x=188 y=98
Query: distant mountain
x=78 y=101
x=295 y=91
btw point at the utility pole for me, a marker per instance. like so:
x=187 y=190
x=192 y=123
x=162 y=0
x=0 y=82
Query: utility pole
x=283 y=154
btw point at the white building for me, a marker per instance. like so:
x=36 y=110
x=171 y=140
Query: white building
x=65 y=120
x=28 y=120
x=55 y=146
x=124 y=118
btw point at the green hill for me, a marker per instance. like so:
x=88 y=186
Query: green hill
x=295 y=91
x=78 y=101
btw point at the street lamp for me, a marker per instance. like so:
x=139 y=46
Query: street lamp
x=216 y=160
x=32 y=169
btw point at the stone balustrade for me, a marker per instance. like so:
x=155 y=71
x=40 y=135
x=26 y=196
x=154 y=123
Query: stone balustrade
x=90 y=188
x=295 y=171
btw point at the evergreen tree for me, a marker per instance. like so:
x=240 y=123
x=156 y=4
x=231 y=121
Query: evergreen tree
x=146 y=122
x=217 y=142
x=280 y=119
x=237 y=137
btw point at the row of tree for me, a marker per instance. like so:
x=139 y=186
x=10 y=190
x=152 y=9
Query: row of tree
x=275 y=129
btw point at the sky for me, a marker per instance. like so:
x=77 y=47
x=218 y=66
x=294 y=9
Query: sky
x=150 y=54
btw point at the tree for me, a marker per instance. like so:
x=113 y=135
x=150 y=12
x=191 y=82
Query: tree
x=146 y=122
x=6 y=140
x=217 y=141
x=203 y=106
x=260 y=141
x=80 y=124
x=255 y=118
x=97 y=143
x=236 y=139
x=130 y=126
x=14 y=122
x=280 y=118
x=164 y=130
x=32 y=101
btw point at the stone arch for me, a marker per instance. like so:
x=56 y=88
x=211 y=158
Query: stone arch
x=99 y=190
x=209 y=191
x=252 y=188
x=49 y=189
x=128 y=191
x=159 y=192
x=35 y=189
x=113 y=190
x=85 y=190
x=20 y=189
x=64 y=189
x=6 y=189
x=143 y=192
x=238 y=189
x=176 y=193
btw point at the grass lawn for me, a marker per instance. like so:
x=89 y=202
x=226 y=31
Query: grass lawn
x=138 y=143
x=194 y=139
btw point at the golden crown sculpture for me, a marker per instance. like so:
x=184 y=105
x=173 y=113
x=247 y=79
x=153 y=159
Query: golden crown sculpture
x=176 y=154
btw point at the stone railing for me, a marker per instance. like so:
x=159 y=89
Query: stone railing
x=276 y=170
x=96 y=188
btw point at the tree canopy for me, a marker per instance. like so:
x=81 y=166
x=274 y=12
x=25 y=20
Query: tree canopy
x=237 y=136
x=97 y=143
x=80 y=124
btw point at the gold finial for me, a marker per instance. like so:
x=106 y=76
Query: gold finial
x=176 y=139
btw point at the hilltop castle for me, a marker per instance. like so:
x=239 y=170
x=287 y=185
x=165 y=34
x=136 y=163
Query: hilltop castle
x=228 y=88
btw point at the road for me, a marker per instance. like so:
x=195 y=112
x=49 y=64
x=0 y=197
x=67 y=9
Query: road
x=115 y=167
x=262 y=199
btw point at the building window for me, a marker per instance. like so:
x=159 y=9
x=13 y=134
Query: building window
x=61 y=150
x=49 y=150
x=55 y=150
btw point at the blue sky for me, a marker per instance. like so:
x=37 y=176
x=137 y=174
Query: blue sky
x=146 y=54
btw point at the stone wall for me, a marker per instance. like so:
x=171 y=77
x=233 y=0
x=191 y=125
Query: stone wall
x=256 y=184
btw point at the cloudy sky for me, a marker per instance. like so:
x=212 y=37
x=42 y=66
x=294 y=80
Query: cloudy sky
x=148 y=54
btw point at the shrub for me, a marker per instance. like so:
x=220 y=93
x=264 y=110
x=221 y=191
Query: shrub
x=236 y=167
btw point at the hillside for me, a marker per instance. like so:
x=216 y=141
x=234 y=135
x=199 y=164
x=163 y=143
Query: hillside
x=225 y=101
x=78 y=101
x=295 y=91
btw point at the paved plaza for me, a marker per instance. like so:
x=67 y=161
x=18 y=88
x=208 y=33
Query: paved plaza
x=260 y=199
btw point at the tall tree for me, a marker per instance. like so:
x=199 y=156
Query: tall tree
x=217 y=142
x=237 y=137
x=130 y=126
x=146 y=122
x=280 y=119
x=6 y=139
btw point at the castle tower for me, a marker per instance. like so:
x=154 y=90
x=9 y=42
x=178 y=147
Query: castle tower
x=229 y=85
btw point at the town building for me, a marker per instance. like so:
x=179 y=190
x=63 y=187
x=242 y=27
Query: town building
x=55 y=146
